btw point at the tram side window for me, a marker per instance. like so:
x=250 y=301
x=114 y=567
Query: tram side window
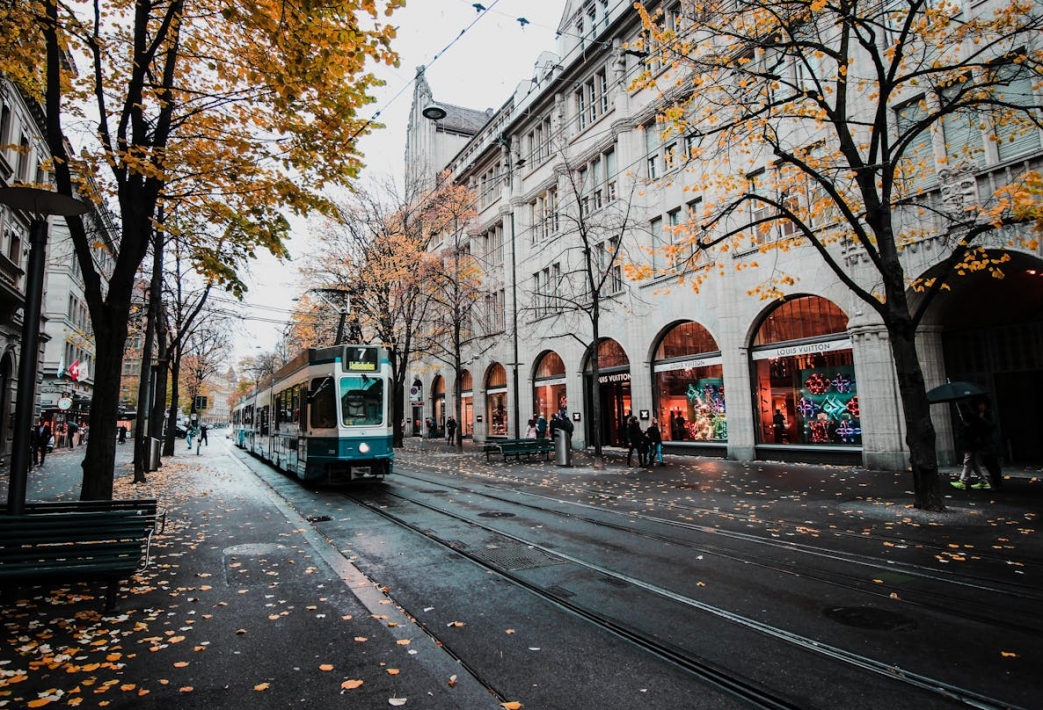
x=323 y=404
x=263 y=419
x=362 y=400
x=302 y=410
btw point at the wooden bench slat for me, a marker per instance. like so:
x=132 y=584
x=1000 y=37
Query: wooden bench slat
x=73 y=542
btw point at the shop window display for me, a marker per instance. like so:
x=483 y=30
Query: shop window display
x=804 y=368
x=690 y=386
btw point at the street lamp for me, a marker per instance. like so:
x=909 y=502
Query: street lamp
x=39 y=204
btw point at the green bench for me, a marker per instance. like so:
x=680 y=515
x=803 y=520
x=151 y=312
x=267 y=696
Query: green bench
x=519 y=447
x=142 y=506
x=67 y=542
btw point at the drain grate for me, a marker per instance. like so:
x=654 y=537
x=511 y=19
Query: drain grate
x=517 y=557
x=496 y=514
x=867 y=617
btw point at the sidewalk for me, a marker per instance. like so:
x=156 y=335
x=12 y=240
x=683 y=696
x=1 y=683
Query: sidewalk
x=246 y=606
x=243 y=607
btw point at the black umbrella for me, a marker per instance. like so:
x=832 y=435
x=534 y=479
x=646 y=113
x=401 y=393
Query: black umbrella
x=953 y=391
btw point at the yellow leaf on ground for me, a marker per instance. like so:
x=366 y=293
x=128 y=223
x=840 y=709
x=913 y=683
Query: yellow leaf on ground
x=351 y=684
x=361 y=639
x=261 y=686
x=393 y=671
x=1008 y=654
x=326 y=667
x=513 y=705
x=403 y=642
x=181 y=664
x=39 y=702
x=185 y=689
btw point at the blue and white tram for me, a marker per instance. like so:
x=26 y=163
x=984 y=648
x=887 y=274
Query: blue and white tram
x=324 y=416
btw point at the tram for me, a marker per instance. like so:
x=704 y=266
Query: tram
x=324 y=416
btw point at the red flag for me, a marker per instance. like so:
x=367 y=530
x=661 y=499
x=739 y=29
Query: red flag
x=74 y=370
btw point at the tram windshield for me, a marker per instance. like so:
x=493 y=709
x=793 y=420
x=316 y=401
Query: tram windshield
x=362 y=400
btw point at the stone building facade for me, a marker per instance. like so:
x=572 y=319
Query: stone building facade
x=807 y=378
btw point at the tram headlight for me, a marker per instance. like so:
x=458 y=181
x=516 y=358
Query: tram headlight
x=363 y=448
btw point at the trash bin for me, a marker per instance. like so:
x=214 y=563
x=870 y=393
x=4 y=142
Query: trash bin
x=562 y=448
x=153 y=454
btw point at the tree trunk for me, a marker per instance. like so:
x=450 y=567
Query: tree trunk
x=919 y=429
x=99 y=460
x=175 y=376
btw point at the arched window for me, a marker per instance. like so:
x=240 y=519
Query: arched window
x=689 y=386
x=496 y=400
x=805 y=376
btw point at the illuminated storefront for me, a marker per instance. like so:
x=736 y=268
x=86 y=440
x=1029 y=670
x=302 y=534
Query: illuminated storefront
x=614 y=389
x=689 y=386
x=805 y=376
x=548 y=388
x=496 y=400
x=467 y=404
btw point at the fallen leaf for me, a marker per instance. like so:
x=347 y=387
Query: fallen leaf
x=1008 y=654
x=261 y=686
x=510 y=631
x=513 y=705
x=326 y=667
x=456 y=623
x=351 y=684
x=396 y=701
x=361 y=639
x=240 y=632
x=181 y=664
x=452 y=681
x=185 y=689
x=403 y=642
x=393 y=671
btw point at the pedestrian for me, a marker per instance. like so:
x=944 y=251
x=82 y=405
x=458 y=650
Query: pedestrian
x=655 y=438
x=72 y=428
x=555 y=425
x=541 y=426
x=779 y=423
x=191 y=434
x=122 y=438
x=530 y=429
x=432 y=430
x=975 y=431
x=202 y=435
x=991 y=447
x=450 y=431
x=41 y=436
x=634 y=436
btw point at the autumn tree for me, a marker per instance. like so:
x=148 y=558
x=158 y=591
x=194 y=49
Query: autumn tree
x=236 y=112
x=452 y=281
x=811 y=125
x=374 y=250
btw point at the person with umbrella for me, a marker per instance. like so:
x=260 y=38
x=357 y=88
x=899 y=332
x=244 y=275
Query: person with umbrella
x=978 y=432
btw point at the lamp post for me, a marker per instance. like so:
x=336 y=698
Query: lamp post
x=39 y=204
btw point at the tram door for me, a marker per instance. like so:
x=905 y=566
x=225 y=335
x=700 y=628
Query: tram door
x=302 y=431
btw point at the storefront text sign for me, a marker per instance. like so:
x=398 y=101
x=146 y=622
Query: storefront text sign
x=802 y=349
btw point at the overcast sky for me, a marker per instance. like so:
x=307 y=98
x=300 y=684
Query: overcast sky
x=479 y=70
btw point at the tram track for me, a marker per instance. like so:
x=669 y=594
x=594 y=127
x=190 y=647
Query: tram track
x=733 y=683
x=1019 y=618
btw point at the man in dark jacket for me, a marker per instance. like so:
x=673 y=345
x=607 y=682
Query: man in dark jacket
x=41 y=437
x=634 y=437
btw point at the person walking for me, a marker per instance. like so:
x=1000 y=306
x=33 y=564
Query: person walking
x=191 y=434
x=541 y=426
x=530 y=429
x=975 y=431
x=41 y=437
x=991 y=446
x=450 y=431
x=634 y=437
x=655 y=438
x=202 y=434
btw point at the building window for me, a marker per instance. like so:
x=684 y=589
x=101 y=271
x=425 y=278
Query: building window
x=540 y=143
x=689 y=379
x=544 y=212
x=811 y=397
x=592 y=99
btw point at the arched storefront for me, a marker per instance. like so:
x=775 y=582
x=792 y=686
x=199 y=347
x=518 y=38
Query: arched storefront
x=992 y=335
x=689 y=386
x=614 y=388
x=548 y=387
x=438 y=406
x=496 y=400
x=804 y=375
x=466 y=404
